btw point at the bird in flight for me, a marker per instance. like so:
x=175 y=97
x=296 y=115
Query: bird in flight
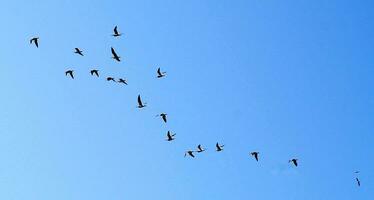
x=255 y=154
x=190 y=153
x=294 y=161
x=95 y=72
x=200 y=148
x=35 y=41
x=116 y=33
x=115 y=56
x=163 y=116
x=219 y=147
x=358 y=182
x=160 y=74
x=110 y=79
x=78 y=51
x=122 y=81
x=170 y=136
x=70 y=72
x=140 y=103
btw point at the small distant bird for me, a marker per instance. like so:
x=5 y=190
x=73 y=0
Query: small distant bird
x=190 y=153
x=116 y=33
x=160 y=74
x=115 y=56
x=170 y=136
x=110 y=79
x=163 y=116
x=358 y=182
x=356 y=172
x=35 y=41
x=255 y=154
x=78 y=51
x=122 y=81
x=140 y=103
x=294 y=161
x=219 y=147
x=70 y=72
x=95 y=72
x=200 y=148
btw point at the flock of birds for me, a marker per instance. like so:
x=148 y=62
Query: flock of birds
x=160 y=74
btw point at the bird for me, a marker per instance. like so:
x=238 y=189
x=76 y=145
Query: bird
x=140 y=103
x=70 y=72
x=35 y=41
x=163 y=116
x=200 y=148
x=219 y=147
x=122 y=81
x=110 y=79
x=170 y=136
x=358 y=182
x=95 y=72
x=190 y=153
x=294 y=161
x=78 y=51
x=356 y=172
x=255 y=154
x=160 y=74
x=115 y=56
x=116 y=33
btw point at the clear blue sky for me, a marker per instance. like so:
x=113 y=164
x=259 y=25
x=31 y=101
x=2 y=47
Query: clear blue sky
x=286 y=78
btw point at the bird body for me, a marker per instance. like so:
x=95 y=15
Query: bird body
x=70 y=72
x=110 y=79
x=95 y=72
x=170 y=136
x=219 y=147
x=294 y=161
x=200 y=149
x=255 y=154
x=163 y=116
x=190 y=153
x=160 y=74
x=35 y=41
x=122 y=81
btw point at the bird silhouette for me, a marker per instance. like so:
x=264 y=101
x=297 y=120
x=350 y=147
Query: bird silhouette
x=163 y=116
x=95 y=72
x=78 y=51
x=294 y=161
x=219 y=147
x=255 y=154
x=116 y=33
x=122 y=81
x=170 y=136
x=35 y=41
x=190 y=153
x=70 y=72
x=140 y=103
x=200 y=148
x=160 y=74
x=115 y=56
x=110 y=79
x=358 y=182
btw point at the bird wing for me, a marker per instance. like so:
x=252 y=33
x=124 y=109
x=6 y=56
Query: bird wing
x=36 y=43
x=140 y=101
x=159 y=71
x=115 y=30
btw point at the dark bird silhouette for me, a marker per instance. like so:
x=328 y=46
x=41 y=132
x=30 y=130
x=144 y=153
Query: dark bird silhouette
x=140 y=103
x=356 y=172
x=115 y=56
x=219 y=147
x=163 y=116
x=78 y=51
x=255 y=154
x=160 y=74
x=190 y=153
x=116 y=33
x=170 y=136
x=200 y=148
x=122 y=81
x=70 y=72
x=110 y=79
x=95 y=72
x=35 y=41
x=358 y=182
x=294 y=161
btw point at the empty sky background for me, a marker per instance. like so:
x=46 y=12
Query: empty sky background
x=286 y=78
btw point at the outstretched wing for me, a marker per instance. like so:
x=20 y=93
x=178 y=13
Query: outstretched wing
x=140 y=101
x=115 y=30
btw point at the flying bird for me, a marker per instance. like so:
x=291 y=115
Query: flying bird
x=78 y=51
x=70 y=72
x=140 y=103
x=294 y=161
x=110 y=79
x=115 y=56
x=35 y=41
x=200 y=148
x=116 y=33
x=95 y=72
x=122 y=81
x=219 y=147
x=160 y=74
x=255 y=154
x=163 y=116
x=190 y=153
x=170 y=136
x=358 y=182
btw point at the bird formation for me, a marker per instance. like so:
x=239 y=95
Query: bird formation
x=160 y=74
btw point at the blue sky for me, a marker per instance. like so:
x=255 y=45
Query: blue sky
x=285 y=78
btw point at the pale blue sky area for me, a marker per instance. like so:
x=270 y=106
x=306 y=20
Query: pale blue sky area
x=290 y=79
